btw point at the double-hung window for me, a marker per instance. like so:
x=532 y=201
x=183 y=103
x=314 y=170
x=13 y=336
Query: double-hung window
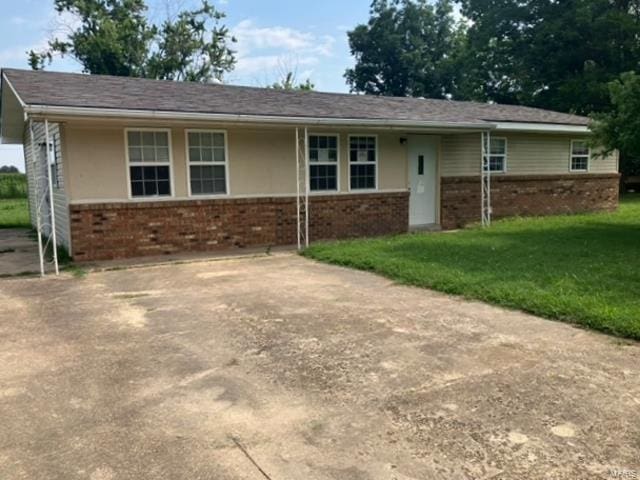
x=323 y=163
x=497 y=155
x=149 y=163
x=363 y=162
x=579 y=156
x=207 y=151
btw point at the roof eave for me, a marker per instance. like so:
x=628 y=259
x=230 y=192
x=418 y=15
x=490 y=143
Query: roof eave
x=528 y=127
x=44 y=110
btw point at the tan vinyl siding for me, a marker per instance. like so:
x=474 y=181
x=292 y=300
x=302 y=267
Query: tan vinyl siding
x=460 y=155
x=527 y=154
x=261 y=160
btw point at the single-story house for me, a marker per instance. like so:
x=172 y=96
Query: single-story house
x=142 y=167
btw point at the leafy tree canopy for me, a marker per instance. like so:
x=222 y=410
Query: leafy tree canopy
x=619 y=128
x=547 y=53
x=115 y=37
x=289 y=82
x=406 y=49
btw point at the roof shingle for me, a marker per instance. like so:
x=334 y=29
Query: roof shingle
x=110 y=92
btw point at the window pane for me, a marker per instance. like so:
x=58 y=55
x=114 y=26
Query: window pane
x=313 y=141
x=148 y=139
x=194 y=154
x=205 y=139
x=333 y=142
x=194 y=139
x=580 y=148
x=150 y=187
x=363 y=176
x=208 y=179
x=498 y=146
x=496 y=163
x=137 y=189
x=135 y=154
x=322 y=142
x=579 y=163
x=313 y=155
x=207 y=154
x=218 y=155
x=218 y=140
x=135 y=173
x=323 y=177
x=163 y=188
x=148 y=154
x=333 y=155
x=162 y=173
x=162 y=139
x=134 y=138
x=162 y=154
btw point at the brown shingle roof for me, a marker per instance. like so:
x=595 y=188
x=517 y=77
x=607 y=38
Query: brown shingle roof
x=101 y=91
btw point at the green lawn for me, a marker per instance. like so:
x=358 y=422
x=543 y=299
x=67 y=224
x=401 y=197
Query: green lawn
x=583 y=269
x=14 y=213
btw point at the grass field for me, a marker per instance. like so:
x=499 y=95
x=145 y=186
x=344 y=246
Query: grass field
x=13 y=185
x=583 y=269
x=14 y=213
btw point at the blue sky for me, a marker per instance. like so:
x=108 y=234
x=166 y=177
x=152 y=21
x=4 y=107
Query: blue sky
x=273 y=36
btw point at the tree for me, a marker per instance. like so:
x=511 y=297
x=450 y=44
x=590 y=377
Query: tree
x=115 y=37
x=618 y=128
x=550 y=54
x=289 y=82
x=407 y=48
x=9 y=169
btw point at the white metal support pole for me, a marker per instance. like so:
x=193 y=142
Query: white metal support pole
x=298 y=187
x=486 y=178
x=306 y=187
x=36 y=188
x=51 y=206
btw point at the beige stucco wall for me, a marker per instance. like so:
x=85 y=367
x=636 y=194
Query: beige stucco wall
x=527 y=154
x=261 y=161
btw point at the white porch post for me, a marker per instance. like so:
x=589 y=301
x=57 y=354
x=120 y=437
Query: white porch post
x=36 y=172
x=51 y=205
x=486 y=178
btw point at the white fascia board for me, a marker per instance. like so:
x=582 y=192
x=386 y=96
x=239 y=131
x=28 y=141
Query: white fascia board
x=541 y=127
x=241 y=118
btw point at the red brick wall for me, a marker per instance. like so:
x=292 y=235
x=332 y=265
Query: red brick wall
x=527 y=195
x=123 y=230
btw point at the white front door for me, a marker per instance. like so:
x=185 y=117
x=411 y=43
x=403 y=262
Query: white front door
x=423 y=157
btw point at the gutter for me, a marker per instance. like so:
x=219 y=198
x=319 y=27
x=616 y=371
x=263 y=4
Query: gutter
x=243 y=118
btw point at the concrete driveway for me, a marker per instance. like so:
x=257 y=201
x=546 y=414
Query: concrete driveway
x=282 y=368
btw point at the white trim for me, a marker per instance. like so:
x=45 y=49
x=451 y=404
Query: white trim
x=337 y=163
x=363 y=190
x=571 y=156
x=540 y=127
x=94 y=201
x=506 y=155
x=226 y=162
x=172 y=182
x=222 y=117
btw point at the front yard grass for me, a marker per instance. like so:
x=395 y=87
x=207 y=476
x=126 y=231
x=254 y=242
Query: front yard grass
x=14 y=213
x=583 y=269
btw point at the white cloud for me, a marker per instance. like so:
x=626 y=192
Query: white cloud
x=268 y=52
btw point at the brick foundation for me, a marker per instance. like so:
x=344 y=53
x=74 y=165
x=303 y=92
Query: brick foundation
x=123 y=230
x=527 y=195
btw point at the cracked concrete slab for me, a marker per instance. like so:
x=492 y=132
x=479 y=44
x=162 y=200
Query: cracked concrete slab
x=318 y=372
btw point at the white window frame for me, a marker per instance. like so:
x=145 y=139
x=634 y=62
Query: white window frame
x=172 y=183
x=336 y=163
x=572 y=156
x=376 y=163
x=187 y=131
x=505 y=155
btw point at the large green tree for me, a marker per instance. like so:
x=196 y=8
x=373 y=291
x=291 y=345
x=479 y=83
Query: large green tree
x=406 y=48
x=549 y=53
x=619 y=128
x=115 y=37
